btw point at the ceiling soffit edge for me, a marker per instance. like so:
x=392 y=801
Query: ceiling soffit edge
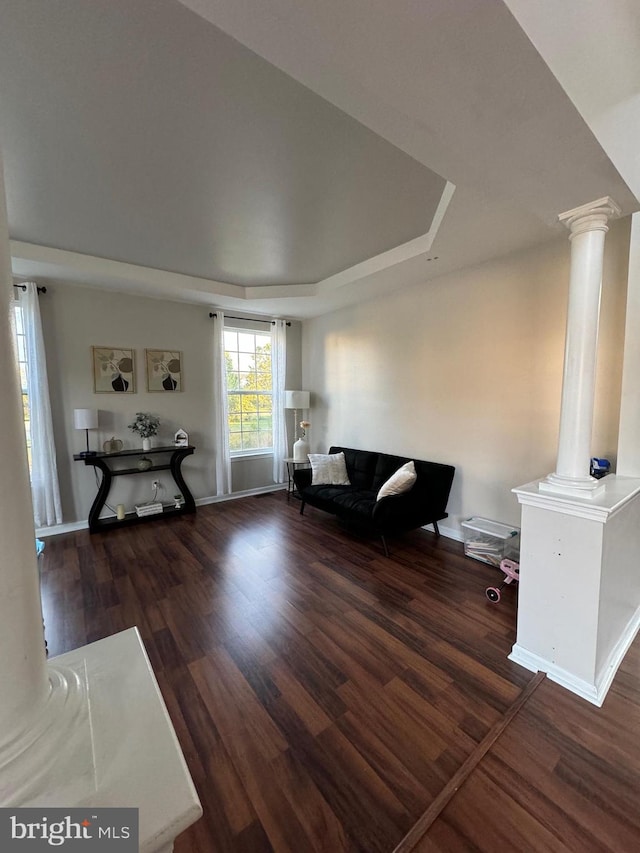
x=31 y=259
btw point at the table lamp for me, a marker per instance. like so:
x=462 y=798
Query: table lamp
x=86 y=419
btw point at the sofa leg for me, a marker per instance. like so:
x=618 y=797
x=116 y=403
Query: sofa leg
x=302 y=508
x=436 y=528
x=384 y=545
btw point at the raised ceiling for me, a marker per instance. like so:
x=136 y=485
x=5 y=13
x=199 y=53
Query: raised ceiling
x=140 y=133
x=285 y=157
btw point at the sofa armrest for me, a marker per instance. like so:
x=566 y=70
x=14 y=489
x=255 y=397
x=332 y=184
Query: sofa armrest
x=302 y=478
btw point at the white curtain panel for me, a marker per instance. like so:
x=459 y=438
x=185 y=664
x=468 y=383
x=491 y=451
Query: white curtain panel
x=278 y=370
x=221 y=409
x=44 y=473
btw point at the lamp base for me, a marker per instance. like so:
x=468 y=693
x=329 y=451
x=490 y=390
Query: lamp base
x=88 y=453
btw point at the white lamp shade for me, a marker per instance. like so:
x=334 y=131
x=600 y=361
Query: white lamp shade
x=296 y=399
x=85 y=418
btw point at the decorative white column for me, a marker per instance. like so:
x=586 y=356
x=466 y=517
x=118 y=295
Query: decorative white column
x=23 y=675
x=588 y=226
x=579 y=590
x=56 y=747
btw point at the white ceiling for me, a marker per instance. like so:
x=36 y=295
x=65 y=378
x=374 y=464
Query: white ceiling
x=283 y=157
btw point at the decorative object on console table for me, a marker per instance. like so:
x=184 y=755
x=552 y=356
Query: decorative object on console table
x=297 y=400
x=148 y=509
x=86 y=419
x=181 y=439
x=164 y=370
x=105 y=463
x=112 y=445
x=146 y=426
x=144 y=463
x=113 y=370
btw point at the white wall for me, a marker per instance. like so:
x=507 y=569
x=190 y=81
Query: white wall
x=619 y=594
x=467 y=369
x=629 y=443
x=75 y=319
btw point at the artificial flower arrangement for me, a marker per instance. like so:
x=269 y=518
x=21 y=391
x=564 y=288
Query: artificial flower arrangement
x=304 y=426
x=145 y=425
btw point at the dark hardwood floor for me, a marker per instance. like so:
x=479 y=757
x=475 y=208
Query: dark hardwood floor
x=325 y=695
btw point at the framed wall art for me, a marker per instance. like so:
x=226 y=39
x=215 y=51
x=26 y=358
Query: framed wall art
x=114 y=370
x=164 y=370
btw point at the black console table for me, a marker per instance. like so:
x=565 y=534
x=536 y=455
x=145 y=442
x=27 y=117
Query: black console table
x=173 y=464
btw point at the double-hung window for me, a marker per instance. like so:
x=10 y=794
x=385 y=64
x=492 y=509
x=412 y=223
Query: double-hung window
x=24 y=369
x=249 y=391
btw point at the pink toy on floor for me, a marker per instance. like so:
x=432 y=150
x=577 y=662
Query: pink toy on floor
x=511 y=571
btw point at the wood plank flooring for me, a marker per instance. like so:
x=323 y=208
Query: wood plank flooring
x=324 y=695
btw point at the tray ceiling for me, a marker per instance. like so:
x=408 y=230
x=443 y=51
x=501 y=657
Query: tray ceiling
x=283 y=157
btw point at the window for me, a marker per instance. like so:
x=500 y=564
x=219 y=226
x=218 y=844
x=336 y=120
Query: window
x=22 y=363
x=249 y=390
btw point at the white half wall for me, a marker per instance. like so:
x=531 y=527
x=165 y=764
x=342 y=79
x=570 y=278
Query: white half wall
x=579 y=596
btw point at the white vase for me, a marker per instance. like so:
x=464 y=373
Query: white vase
x=300 y=450
x=146 y=444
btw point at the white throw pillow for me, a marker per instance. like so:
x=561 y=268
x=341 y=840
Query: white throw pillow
x=328 y=469
x=400 y=482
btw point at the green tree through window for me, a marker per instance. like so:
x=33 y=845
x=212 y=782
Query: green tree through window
x=249 y=390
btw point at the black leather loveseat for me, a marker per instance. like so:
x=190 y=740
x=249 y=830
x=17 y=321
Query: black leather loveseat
x=425 y=503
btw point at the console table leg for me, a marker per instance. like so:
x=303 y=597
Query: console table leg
x=101 y=497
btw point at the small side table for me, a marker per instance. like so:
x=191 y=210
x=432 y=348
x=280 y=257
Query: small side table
x=292 y=464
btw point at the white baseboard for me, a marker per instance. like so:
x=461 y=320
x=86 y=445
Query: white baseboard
x=57 y=529
x=616 y=656
x=247 y=493
x=72 y=526
x=535 y=663
x=596 y=692
x=449 y=532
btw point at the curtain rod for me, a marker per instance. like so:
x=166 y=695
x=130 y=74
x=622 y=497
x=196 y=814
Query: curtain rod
x=23 y=287
x=212 y=314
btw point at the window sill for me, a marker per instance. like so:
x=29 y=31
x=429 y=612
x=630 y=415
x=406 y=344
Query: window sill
x=251 y=454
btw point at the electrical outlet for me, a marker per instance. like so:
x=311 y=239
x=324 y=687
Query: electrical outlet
x=156 y=484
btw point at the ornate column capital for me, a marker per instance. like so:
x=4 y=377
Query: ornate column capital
x=590 y=217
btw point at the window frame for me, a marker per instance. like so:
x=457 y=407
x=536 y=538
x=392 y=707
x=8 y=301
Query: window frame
x=23 y=371
x=265 y=452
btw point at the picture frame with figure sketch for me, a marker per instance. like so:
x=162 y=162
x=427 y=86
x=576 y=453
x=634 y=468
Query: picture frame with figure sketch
x=164 y=370
x=114 y=370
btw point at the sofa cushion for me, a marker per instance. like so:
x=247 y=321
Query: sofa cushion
x=361 y=465
x=356 y=504
x=328 y=469
x=400 y=481
x=324 y=497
